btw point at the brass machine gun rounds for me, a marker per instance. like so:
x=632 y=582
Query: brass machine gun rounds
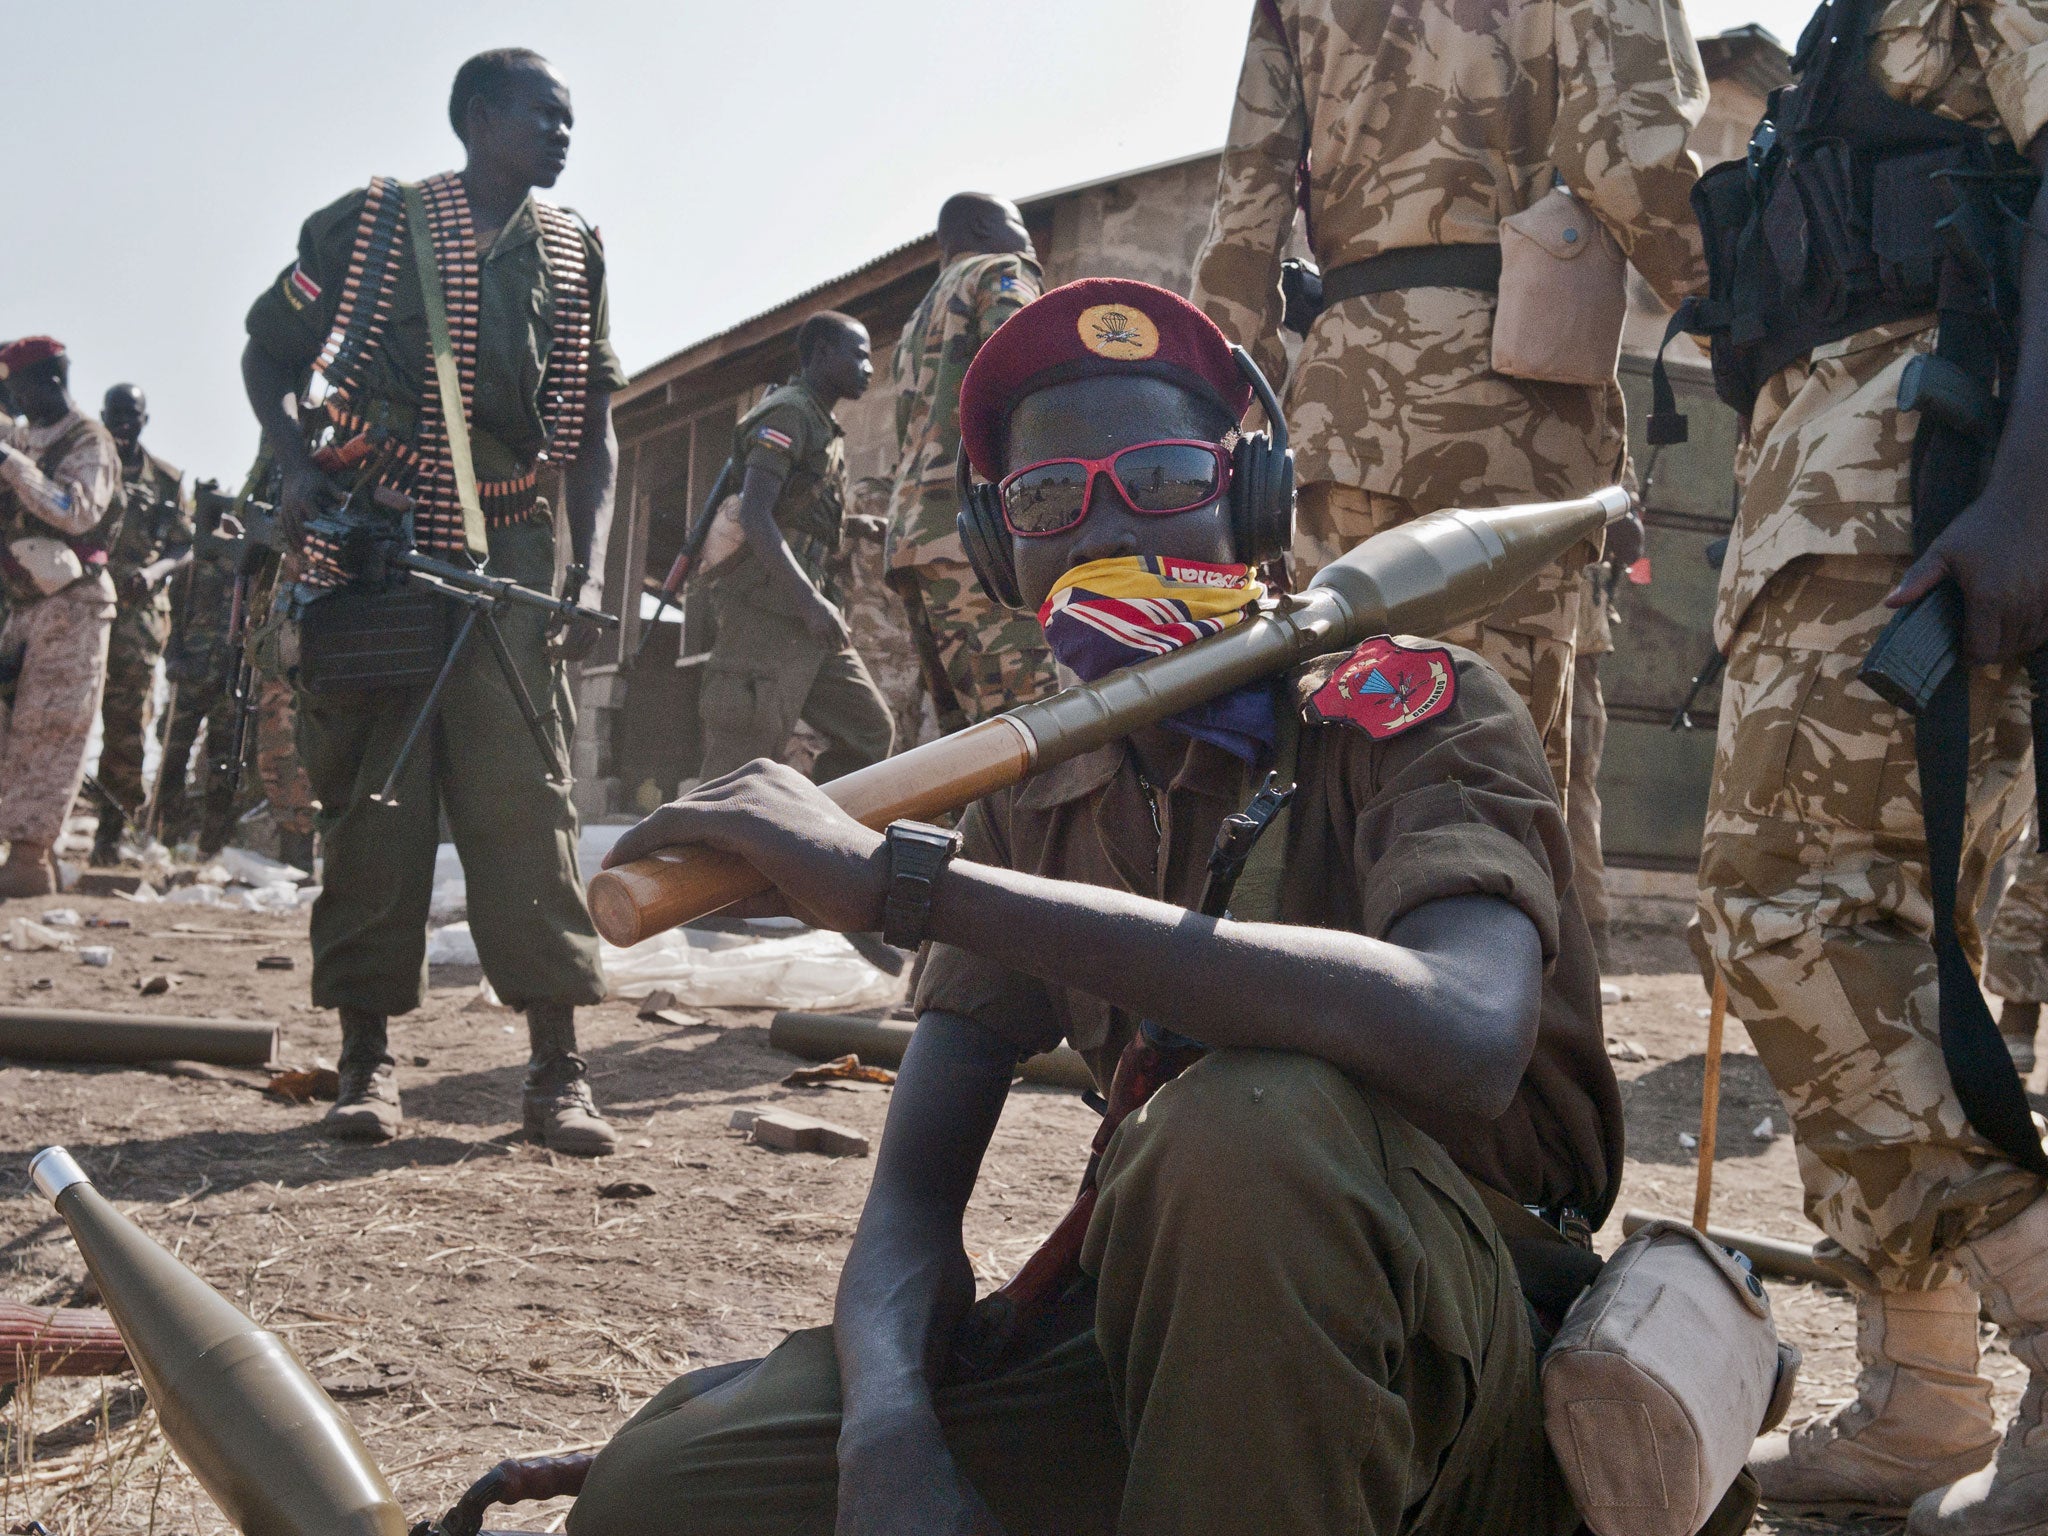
x=266 y=1443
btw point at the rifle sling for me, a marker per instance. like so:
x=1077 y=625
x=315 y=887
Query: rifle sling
x=945 y=702
x=446 y=378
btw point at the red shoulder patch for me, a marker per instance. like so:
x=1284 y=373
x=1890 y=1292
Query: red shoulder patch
x=1385 y=688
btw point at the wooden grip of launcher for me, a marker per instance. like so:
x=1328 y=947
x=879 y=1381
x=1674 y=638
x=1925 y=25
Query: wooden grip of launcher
x=649 y=895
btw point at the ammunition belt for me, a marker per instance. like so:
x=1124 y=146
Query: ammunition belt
x=365 y=307
x=437 y=513
x=565 y=387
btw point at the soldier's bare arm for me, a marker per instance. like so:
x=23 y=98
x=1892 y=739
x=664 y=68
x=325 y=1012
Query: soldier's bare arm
x=589 y=488
x=1442 y=1013
x=758 y=495
x=907 y=1284
x=1997 y=548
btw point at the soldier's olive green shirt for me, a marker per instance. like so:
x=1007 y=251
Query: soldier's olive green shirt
x=157 y=520
x=1461 y=804
x=515 y=330
x=1427 y=122
x=1826 y=466
x=793 y=432
x=972 y=297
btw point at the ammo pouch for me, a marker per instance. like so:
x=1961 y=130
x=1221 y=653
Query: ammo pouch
x=1563 y=294
x=1665 y=1371
x=356 y=640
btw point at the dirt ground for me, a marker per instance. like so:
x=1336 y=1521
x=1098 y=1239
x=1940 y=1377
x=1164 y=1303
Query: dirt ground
x=467 y=1296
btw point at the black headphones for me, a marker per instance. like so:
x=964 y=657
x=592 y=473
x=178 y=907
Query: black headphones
x=1261 y=500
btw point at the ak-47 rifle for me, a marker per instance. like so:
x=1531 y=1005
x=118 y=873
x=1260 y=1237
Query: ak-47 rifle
x=686 y=558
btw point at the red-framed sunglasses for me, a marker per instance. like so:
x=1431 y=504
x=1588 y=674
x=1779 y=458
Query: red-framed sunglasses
x=1174 y=474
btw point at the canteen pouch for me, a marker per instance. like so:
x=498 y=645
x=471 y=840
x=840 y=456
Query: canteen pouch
x=353 y=640
x=49 y=565
x=1563 y=294
x=1660 y=1380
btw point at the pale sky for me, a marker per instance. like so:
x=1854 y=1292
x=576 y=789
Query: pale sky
x=160 y=156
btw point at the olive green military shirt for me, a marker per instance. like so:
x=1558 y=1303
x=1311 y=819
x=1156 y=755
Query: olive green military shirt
x=157 y=520
x=793 y=433
x=515 y=330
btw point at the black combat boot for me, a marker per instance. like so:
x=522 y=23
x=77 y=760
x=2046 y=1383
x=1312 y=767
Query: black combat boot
x=559 y=1110
x=217 y=821
x=366 y=1109
x=296 y=849
x=106 y=841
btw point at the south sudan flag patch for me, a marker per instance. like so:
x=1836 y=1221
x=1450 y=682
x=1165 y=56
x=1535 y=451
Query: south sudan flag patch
x=1384 y=688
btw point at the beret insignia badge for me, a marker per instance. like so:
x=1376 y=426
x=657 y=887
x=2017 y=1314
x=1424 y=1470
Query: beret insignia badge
x=1384 y=688
x=1118 y=332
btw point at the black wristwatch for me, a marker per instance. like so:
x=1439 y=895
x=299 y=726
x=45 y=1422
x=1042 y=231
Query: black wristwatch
x=917 y=855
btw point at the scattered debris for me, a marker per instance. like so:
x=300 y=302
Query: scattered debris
x=277 y=963
x=1612 y=994
x=659 y=1007
x=156 y=985
x=1626 y=1050
x=1687 y=1140
x=302 y=1085
x=25 y=936
x=82 y=1035
x=112 y=882
x=486 y=999
x=625 y=1189
x=96 y=954
x=1765 y=1129
x=41 y=984
x=62 y=917
x=787 y=1131
x=839 y=1069
x=96 y=921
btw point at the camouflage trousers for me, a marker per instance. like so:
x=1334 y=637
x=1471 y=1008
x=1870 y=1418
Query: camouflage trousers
x=208 y=703
x=133 y=649
x=995 y=657
x=278 y=768
x=1529 y=640
x=44 y=728
x=1814 y=904
x=1582 y=818
x=2016 y=949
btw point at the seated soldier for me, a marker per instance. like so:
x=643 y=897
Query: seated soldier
x=1294 y=1312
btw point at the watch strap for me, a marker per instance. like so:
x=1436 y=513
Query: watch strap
x=918 y=855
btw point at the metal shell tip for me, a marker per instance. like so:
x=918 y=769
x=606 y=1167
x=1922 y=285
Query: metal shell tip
x=54 y=1170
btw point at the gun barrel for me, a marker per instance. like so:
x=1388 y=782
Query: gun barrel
x=504 y=587
x=265 y=1442
x=1424 y=577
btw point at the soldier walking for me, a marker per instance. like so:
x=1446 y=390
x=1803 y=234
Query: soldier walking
x=1817 y=888
x=60 y=484
x=1405 y=132
x=783 y=651
x=978 y=658
x=345 y=329
x=153 y=540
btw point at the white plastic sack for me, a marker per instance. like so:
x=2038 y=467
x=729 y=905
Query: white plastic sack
x=451 y=889
x=451 y=945
x=254 y=869
x=24 y=936
x=810 y=970
x=277 y=897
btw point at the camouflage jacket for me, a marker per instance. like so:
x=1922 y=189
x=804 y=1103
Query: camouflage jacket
x=60 y=481
x=1426 y=122
x=156 y=521
x=1826 y=467
x=972 y=297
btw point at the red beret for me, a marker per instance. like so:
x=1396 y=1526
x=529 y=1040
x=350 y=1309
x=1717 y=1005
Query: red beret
x=30 y=349
x=1099 y=325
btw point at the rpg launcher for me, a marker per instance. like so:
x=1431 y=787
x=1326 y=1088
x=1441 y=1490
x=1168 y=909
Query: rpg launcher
x=1424 y=577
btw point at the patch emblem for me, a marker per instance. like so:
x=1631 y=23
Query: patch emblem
x=773 y=438
x=1385 y=688
x=301 y=289
x=1118 y=332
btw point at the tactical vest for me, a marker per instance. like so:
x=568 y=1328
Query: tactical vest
x=1838 y=218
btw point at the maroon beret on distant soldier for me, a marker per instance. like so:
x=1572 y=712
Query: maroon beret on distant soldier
x=17 y=355
x=1099 y=325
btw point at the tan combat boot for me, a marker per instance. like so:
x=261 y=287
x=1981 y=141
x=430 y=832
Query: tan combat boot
x=366 y=1109
x=1921 y=1418
x=2009 y=1497
x=29 y=870
x=557 y=1107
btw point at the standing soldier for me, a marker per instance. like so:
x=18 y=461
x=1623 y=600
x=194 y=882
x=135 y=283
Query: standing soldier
x=978 y=658
x=1818 y=881
x=60 y=480
x=1406 y=132
x=526 y=364
x=783 y=651
x=200 y=664
x=280 y=772
x=154 y=537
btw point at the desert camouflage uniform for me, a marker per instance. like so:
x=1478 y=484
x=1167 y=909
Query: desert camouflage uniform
x=993 y=657
x=157 y=523
x=1589 y=744
x=60 y=481
x=1425 y=124
x=1814 y=881
x=874 y=613
x=2016 y=949
x=278 y=768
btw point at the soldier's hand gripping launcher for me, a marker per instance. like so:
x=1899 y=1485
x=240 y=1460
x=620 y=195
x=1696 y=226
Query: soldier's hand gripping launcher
x=266 y=1443
x=1422 y=578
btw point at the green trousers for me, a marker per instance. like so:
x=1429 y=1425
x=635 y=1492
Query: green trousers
x=766 y=673
x=1304 y=1322
x=479 y=765
x=133 y=646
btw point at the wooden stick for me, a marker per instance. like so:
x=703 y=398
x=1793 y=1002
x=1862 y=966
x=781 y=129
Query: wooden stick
x=1710 y=1102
